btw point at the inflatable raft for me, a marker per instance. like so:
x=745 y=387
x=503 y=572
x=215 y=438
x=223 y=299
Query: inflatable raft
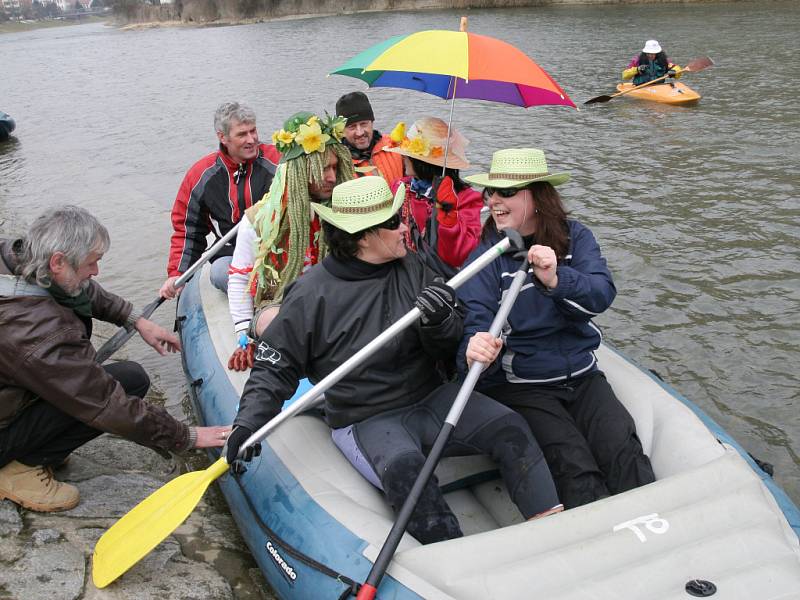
x=666 y=93
x=713 y=524
x=7 y=125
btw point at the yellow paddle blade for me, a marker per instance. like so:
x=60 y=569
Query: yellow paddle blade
x=132 y=537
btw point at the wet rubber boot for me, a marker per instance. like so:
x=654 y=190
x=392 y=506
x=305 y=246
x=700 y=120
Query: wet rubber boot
x=35 y=488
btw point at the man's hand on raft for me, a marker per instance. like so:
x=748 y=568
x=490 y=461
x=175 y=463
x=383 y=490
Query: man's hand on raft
x=212 y=437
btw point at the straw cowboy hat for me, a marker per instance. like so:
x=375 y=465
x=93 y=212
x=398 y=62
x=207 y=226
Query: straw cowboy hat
x=361 y=203
x=517 y=167
x=426 y=141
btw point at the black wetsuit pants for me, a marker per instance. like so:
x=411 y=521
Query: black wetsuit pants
x=44 y=435
x=588 y=437
x=395 y=444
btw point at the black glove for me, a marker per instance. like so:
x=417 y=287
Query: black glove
x=235 y=440
x=642 y=68
x=672 y=72
x=436 y=302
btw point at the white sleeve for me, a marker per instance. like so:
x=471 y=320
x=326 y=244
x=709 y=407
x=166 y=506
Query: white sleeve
x=240 y=302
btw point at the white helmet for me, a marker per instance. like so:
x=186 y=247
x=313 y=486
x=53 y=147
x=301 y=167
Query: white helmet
x=651 y=47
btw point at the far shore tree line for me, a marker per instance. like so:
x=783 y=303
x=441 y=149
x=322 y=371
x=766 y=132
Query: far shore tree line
x=207 y=11
x=38 y=11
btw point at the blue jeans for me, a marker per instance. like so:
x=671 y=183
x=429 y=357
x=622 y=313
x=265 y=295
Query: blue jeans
x=219 y=273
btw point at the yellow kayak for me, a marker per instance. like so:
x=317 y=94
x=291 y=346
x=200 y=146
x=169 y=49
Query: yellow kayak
x=666 y=93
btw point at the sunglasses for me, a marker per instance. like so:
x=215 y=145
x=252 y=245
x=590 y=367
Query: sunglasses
x=502 y=192
x=391 y=223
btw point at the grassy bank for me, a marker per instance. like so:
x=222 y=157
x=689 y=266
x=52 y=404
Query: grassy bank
x=16 y=26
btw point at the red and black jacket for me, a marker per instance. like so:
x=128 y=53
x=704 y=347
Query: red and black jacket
x=213 y=197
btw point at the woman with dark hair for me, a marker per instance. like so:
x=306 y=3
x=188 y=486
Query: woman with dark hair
x=652 y=63
x=544 y=366
x=457 y=206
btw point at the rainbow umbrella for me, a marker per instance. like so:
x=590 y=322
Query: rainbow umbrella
x=456 y=64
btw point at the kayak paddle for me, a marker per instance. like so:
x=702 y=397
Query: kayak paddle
x=136 y=533
x=370 y=587
x=698 y=64
x=116 y=341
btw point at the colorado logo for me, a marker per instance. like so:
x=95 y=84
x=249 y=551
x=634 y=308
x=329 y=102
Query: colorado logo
x=286 y=569
x=267 y=352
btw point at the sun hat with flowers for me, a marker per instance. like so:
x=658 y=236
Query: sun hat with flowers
x=305 y=132
x=517 y=167
x=361 y=203
x=426 y=141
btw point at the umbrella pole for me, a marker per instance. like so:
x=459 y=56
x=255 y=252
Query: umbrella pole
x=449 y=124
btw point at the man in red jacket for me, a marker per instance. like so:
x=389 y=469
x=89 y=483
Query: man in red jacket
x=215 y=193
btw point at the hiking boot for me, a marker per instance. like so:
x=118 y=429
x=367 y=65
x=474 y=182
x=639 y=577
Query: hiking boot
x=35 y=488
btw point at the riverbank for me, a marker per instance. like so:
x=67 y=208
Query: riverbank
x=204 y=13
x=19 y=26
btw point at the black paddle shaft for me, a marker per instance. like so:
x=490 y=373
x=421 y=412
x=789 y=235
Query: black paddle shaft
x=404 y=516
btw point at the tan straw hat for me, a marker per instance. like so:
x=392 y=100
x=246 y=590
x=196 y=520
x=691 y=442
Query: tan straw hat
x=517 y=167
x=426 y=141
x=361 y=203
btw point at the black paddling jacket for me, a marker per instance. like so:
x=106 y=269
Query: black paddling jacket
x=328 y=315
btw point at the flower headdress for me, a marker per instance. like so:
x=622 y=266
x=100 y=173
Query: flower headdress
x=304 y=133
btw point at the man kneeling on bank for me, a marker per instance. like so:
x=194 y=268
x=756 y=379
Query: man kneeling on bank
x=386 y=413
x=54 y=397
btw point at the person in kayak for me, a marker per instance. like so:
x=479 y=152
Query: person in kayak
x=366 y=144
x=280 y=236
x=544 y=366
x=216 y=191
x=54 y=396
x=387 y=412
x=650 y=64
x=458 y=206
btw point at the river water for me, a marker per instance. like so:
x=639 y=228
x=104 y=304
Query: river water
x=696 y=208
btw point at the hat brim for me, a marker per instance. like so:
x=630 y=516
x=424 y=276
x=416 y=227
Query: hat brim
x=453 y=161
x=482 y=180
x=353 y=223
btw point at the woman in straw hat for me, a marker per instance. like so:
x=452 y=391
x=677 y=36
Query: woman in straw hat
x=458 y=206
x=545 y=367
x=385 y=412
x=650 y=64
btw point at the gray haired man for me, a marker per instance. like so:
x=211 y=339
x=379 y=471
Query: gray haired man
x=54 y=397
x=215 y=193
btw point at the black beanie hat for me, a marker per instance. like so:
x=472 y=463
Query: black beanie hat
x=354 y=107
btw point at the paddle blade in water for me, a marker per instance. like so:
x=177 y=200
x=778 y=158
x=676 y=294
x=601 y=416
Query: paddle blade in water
x=132 y=537
x=698 y=64
x=603 y=98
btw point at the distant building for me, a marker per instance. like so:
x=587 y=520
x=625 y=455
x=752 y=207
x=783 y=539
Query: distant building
x=10 y=4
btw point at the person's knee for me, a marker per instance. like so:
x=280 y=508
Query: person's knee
x=219 y=273
x=399 y=476
x=134 y=379
x=509 y=436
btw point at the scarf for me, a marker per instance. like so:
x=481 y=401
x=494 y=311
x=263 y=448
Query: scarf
x=81 y=305
x=422 y=188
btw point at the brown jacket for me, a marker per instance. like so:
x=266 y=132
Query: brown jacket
x=46 y=354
